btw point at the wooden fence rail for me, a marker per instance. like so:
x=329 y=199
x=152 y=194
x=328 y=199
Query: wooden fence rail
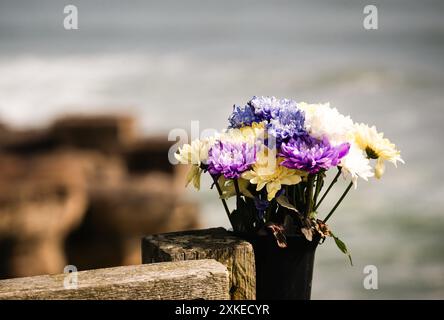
x=194 y=279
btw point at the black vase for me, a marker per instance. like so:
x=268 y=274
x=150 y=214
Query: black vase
x=283 y=273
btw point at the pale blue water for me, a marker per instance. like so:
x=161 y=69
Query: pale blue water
x=170 y=62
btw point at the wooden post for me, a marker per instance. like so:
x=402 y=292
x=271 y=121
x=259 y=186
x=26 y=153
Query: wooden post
x=203 y=279
x=217 y=243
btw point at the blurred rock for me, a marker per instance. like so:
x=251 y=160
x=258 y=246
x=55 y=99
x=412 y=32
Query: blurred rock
x=105 y=133
x=26 y=141
x=125 y=212
x=149 y=154
x=83 y=192
x=101 y=169
x=142 y=205
x=40 y=195
x=42 y=199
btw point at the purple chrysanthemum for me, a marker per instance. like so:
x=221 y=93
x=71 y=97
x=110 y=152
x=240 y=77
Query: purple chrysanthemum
x=267 y=108
x=230 y=159
x=289 y=124
x=312 y=155
x=242 y=116
x=285 y=119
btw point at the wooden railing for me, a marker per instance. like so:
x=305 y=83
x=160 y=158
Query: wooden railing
x=203 y=264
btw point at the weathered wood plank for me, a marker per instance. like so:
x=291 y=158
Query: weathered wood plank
x=203 y=279
x=216 y=243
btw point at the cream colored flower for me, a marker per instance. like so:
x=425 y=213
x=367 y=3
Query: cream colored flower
x=267 y=172
x=195 y=154
x=376 y=147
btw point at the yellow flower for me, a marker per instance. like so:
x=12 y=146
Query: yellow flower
x=248 y=134
x=376 y=147
x=256 y=130
x=267 y=172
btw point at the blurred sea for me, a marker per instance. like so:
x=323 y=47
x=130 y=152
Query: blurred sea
x=170 y=62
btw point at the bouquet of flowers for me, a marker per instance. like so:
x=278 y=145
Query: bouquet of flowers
x=274 y=157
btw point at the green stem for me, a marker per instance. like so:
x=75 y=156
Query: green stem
x=319 y=182
x=236 y=186
x=301 y=193
x=339 y=202
x=310 y=183
x=239 y=201
x=335 y=179
x=219 y=190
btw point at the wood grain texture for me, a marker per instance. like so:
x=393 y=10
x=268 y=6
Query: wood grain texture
x=216 y=243
x=202 y=279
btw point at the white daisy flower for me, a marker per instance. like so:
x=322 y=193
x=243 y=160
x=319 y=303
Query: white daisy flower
x=356 y=165
x=323 y=121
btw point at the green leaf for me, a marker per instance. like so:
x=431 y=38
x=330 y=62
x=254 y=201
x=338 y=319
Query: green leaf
x=312 y=215
x=341 y=245
x=283 y=201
